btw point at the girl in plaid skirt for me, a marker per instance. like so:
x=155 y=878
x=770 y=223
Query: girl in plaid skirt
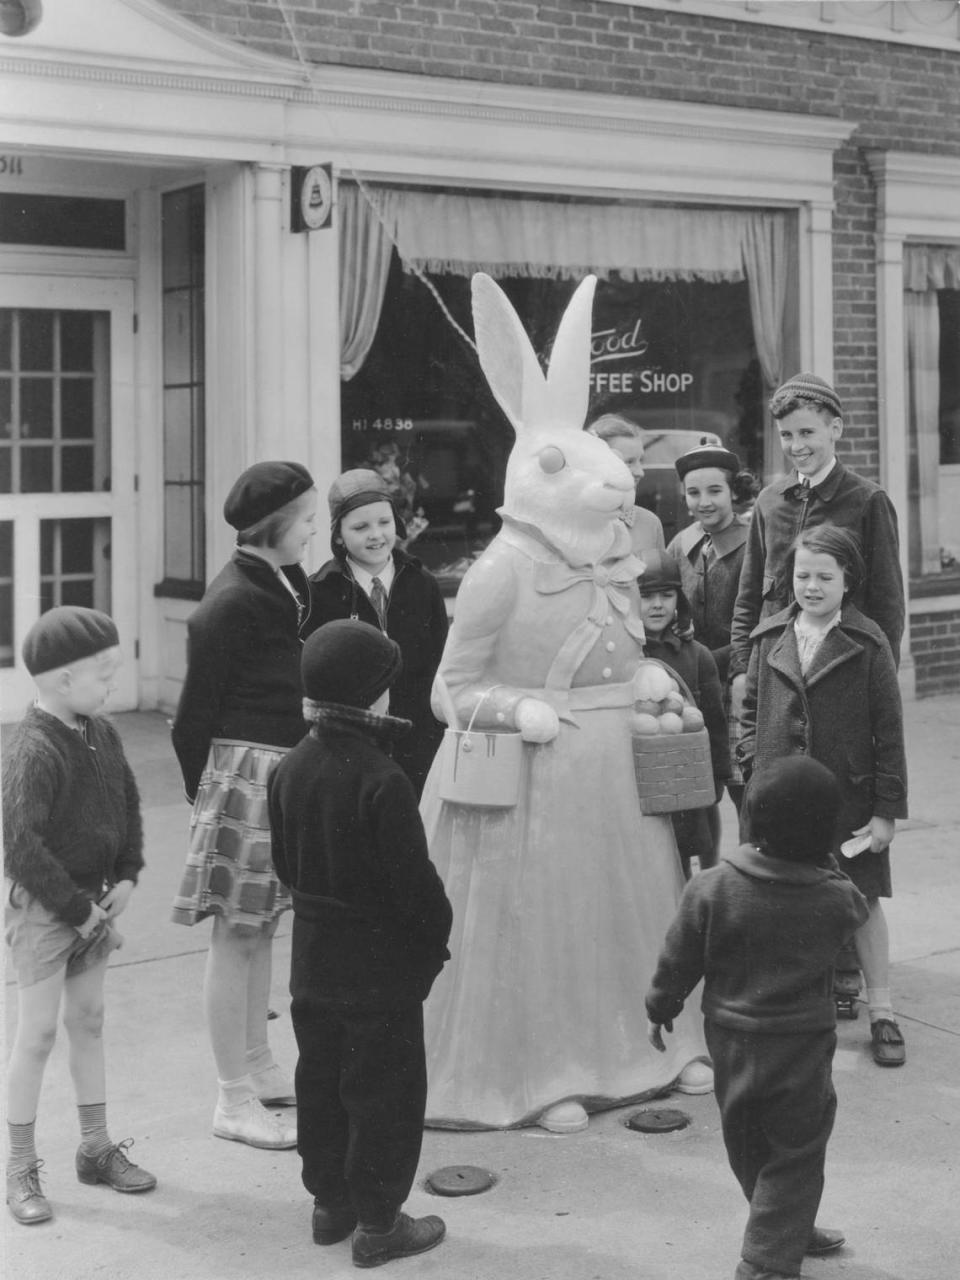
x=240 y=710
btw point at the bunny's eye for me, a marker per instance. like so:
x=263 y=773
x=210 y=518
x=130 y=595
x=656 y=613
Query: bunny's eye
x=552 y=460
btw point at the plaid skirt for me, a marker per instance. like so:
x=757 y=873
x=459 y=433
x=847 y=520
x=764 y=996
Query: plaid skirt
x=229 y=870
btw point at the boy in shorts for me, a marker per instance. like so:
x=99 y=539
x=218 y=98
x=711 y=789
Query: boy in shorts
x=73 y=851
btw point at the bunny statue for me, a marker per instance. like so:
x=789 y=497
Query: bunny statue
x=560 y=902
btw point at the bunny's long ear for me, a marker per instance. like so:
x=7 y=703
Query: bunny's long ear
x=568 y=380
x=507 y=357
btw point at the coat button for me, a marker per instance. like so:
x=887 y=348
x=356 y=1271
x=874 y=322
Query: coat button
x=607 y=672
x=610 y=646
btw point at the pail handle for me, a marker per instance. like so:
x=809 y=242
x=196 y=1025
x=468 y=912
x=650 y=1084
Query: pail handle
x=483 y=695
x=453 y=720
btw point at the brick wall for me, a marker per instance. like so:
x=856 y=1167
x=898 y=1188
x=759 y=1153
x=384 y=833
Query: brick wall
x=935 y=644
x=901 y=98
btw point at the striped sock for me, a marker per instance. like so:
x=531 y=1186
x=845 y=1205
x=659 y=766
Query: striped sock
x=23 y=1150
x=94 y=1139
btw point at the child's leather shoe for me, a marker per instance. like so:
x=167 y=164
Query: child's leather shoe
x=824 y=1240
x=115 y=1169
x=25 y=1200
x=332 y=1224
x=406 y=1237
x=886 y=1042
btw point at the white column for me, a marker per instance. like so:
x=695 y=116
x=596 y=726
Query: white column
x=323 y=270
x=891 y=414
x=816 y=295
x=269 y=320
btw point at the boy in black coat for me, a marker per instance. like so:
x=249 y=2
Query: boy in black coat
x=762 y=929
x=371 y=922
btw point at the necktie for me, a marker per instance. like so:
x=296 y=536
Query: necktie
x=378 y=598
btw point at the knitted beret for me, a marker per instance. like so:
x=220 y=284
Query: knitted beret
x=349 y=662
x=263 y=489
x=707 y=455
x=791 y=809
x=66 y=634
x=805 y=386
x=358 y=488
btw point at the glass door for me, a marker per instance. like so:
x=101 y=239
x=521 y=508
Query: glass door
x=67 y=449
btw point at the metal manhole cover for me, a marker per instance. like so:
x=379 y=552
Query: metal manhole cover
x=460 y=1180
x=658 y=1120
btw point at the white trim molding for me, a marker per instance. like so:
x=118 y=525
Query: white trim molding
x=918 y=199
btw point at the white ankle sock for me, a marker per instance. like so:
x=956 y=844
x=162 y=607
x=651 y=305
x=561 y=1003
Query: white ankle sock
x=260 y=1059
x=234 y=1093
x=879 y=1003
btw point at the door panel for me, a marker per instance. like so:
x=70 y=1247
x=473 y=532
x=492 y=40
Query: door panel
x=67 y=502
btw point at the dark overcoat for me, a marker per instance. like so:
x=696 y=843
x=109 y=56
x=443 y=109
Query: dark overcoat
x=846 y=712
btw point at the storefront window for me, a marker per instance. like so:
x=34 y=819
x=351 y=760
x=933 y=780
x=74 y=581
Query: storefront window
x=673 y=355
x=932 y=328
x=184 y=384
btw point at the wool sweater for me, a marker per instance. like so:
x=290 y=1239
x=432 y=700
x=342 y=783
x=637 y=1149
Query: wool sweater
x=243 y=663
x=763 y=934
x=71 y=813
x=371 y=919
x=783 y=509
x=417 y=621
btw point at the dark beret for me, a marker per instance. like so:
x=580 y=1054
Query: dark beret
x=263 y=489
x=66 y=634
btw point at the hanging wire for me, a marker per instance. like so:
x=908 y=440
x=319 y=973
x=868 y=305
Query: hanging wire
x=351 y=168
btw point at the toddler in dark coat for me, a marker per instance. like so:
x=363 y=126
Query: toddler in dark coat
x=669 y=638
x=371 y=922
x=762 y=929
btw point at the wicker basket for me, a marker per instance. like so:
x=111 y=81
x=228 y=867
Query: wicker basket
x=674 y=771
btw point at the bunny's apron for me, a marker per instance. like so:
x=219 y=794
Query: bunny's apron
x=560 y=906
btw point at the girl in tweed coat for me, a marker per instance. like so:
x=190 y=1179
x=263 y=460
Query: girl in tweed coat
x=822 y=682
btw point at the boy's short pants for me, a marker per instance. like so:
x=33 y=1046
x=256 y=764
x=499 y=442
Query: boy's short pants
x=41 y=944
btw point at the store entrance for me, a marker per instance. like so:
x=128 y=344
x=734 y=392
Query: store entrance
x=67 y=433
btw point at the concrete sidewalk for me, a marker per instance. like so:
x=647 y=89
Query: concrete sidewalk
x=605 y=1204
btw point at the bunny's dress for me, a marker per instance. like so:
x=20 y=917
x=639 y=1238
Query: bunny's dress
x=560 y=904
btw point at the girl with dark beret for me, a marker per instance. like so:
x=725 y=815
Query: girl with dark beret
x=240 y=710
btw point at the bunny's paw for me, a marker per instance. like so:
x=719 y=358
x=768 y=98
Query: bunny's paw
x=537 y=721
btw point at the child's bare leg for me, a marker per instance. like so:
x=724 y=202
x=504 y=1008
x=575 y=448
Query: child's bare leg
x=38 y=1007
x=271 y=1084
x=873 y=947
x=83 y=1020
x=236 y=964
x=226 y=992
x=872 y=941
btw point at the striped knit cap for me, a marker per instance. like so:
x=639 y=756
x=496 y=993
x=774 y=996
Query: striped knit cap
x=805 y=387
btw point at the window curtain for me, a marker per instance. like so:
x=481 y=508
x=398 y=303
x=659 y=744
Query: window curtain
x=459 y=234
x=926 y=269
x=922 y=362
x=768 y=259
x=366 y=246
